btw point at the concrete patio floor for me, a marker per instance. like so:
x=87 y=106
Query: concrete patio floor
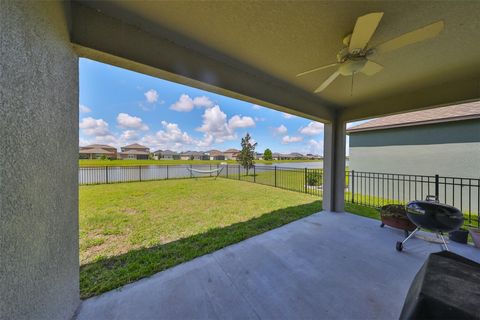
x=325 y=266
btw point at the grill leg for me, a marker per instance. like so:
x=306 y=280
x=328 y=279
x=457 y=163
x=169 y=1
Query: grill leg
x=399 y=245
x=444 y=242
x=410 y=235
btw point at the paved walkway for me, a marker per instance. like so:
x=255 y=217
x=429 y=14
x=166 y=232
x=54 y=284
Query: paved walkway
x=326 y=266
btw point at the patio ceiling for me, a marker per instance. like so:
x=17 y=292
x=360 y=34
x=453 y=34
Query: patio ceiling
x=268 y=43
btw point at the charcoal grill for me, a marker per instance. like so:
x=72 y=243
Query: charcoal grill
x=434 y=216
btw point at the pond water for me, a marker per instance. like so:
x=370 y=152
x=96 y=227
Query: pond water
x=95 y=175
x=300 y=165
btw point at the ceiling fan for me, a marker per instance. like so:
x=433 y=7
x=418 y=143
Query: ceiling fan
x=354 y=56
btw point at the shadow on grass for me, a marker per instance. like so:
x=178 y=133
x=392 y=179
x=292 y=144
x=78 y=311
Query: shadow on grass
x=113 y=272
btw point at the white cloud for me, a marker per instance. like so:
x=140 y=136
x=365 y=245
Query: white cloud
x=83 y=142
x=84 y=109
x=313 y=128
x=287 y=115
x=94 y=127
x=203 y=101
x=129 y=135
x=126 y=121
x=172 y=133
x=281 y=129
x=170 y=137
x=293 y=139
x=256 y=107
x=215 y=125
x=186 y=104
x=240 y=122
x=151 y=96
x=315 y=146
x=259 y=119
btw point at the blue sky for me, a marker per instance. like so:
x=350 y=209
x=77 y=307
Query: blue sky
x=119 y=107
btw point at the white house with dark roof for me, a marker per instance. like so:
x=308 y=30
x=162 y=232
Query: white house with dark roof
x=444 y=141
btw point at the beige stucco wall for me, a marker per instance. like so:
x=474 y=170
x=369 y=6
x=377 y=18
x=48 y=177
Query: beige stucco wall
x=39 y=267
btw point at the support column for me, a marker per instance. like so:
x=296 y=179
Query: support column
x=334 y=166
x=39 y=271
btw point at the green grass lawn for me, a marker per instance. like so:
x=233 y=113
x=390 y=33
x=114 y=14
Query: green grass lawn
x=293 y=179
x=132 y=230
x=121 y=163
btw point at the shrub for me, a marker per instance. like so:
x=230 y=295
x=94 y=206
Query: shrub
x=314 y=178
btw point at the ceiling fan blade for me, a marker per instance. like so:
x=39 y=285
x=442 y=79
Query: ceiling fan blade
x=364 y=29
x=327 y=82
x=316 y=69
x=424 y=33
x=370 y=68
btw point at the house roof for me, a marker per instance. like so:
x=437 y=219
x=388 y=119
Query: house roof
x=296 y=154
x=216 y=153
x=457 y=112
x=134 y=152
x=170 y=152
x=135 y=146
x=193 y=153
x=95 y=150
x=101 y=146
x=232 y=151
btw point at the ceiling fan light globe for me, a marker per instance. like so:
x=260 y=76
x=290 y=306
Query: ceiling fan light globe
x=351 y=66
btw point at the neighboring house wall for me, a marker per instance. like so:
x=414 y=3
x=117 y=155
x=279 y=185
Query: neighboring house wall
x=39 y=274
x=134 y=153
x=447 y=149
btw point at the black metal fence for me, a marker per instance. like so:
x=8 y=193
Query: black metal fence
x=371 y=189
x=295 y=179
x=376 y=189
x=304 y=180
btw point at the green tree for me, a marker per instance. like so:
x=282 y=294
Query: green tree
x=247 y=155
x=267 y=154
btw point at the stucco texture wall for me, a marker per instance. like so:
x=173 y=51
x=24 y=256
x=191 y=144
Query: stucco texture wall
x=38 y=162
x=448 y=149
x=451 y=160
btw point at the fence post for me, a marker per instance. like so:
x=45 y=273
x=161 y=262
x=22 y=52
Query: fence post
x=254 y=175
x=140 y=172
x=437 y=187
x=227 y=171
x=190 y=171
x=353 y=186
x=305 y=180
x=238 y=172
x=275 y=176
x=210 y=169
x=106 y=174
x=167 y=171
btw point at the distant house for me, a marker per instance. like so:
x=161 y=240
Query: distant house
x=216 y=155
x=278 y=156
x=311 y=156
x=134 y=151
x=295 y=156
x=231 y=154
x=96 y=151
x=444 y=141
x=194 y=155
x=258 y=156
x=290 y=156
x=166 y=155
